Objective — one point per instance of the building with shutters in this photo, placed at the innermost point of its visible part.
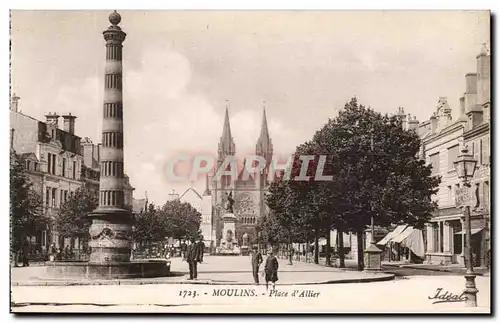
(53, 158)
(58, 163)
(442, 141)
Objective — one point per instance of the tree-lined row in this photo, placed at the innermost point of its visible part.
(174, 219)
(377, 172)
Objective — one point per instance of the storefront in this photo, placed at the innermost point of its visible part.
(404, 243)
(446, 239)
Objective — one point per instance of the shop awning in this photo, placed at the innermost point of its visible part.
(473, 231)
(392, 234)
(403, 235)
(414, 240)
(411, 238)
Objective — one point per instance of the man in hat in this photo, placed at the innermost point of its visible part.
(192, 258)
(201, 249)
(256, 261)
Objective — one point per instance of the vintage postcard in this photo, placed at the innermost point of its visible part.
(250, 161)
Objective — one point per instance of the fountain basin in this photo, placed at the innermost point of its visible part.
(111, 270)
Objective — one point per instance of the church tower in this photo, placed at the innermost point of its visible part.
(219, 187)
(264, 148)
(226, 148)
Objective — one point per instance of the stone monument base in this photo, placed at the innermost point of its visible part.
(228, 247)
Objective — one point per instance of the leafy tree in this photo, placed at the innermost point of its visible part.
(271, 231)
(174, 219)
(72, 220)
(183, 220)
(150, 227)
(26, 210)
(377, 174)
(377, 171)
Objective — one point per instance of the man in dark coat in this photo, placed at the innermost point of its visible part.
(25, 252)
(201, 249)
(256, 261)
(192, 258)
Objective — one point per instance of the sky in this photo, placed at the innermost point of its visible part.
(180, 68)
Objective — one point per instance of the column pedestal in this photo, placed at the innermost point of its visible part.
(111, 235)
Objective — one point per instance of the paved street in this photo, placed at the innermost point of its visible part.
(219, 269)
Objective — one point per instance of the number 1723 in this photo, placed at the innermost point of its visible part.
(188, 293)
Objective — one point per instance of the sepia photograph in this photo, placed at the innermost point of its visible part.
(250, 161)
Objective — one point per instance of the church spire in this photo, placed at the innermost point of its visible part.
(226, 131)
(226, 144)
(264, 145)
(264, 132)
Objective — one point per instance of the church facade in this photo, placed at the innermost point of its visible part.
(248, 190)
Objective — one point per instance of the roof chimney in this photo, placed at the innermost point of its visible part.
(14, 104)
(483, 76)
(433, 123)
(484, 82)
(462, 106)
(69, 123)
(52, 119)
(470, 92)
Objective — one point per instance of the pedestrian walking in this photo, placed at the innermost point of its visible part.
(256, 261)
(201, 249)
(183, 250)
(271, 269)
(25, 250)
(52, 252)
(192, 258)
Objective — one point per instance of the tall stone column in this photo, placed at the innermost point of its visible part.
(111, 227)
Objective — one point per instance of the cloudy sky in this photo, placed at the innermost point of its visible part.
(180, 67)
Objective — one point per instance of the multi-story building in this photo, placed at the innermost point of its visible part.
(477, 139)
(442, 141)
(58, 163)
(53, 158)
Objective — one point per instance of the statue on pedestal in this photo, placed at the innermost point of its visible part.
(229, 203)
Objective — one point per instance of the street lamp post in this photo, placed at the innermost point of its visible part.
(372, 225)
(465, 167)
(373, 255)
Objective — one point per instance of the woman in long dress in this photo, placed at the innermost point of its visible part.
(271, 269)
